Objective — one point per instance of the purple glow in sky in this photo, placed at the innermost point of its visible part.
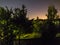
(35, 7)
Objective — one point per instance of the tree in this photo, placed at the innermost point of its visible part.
(5, 22)
(23, 25)
(52, 12)
(49, 29)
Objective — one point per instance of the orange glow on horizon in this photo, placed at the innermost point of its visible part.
(40, 17)
(34, 16)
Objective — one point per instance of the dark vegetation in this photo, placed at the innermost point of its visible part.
(13, 23)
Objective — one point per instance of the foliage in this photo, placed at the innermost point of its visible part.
(15, 25)
(51, 12)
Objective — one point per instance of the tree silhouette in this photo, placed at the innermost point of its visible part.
(23, 25)
(5, 22)
(52, 12)
(49, 31)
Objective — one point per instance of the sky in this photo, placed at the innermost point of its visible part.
(34, 7)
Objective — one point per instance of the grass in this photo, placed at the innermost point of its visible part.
(29, 36)
(58, 35)
(32, 35)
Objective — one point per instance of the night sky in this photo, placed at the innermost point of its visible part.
(35, 7)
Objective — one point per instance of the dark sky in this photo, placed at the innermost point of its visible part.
(35, 7)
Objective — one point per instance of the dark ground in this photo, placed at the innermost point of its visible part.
(40, 41)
